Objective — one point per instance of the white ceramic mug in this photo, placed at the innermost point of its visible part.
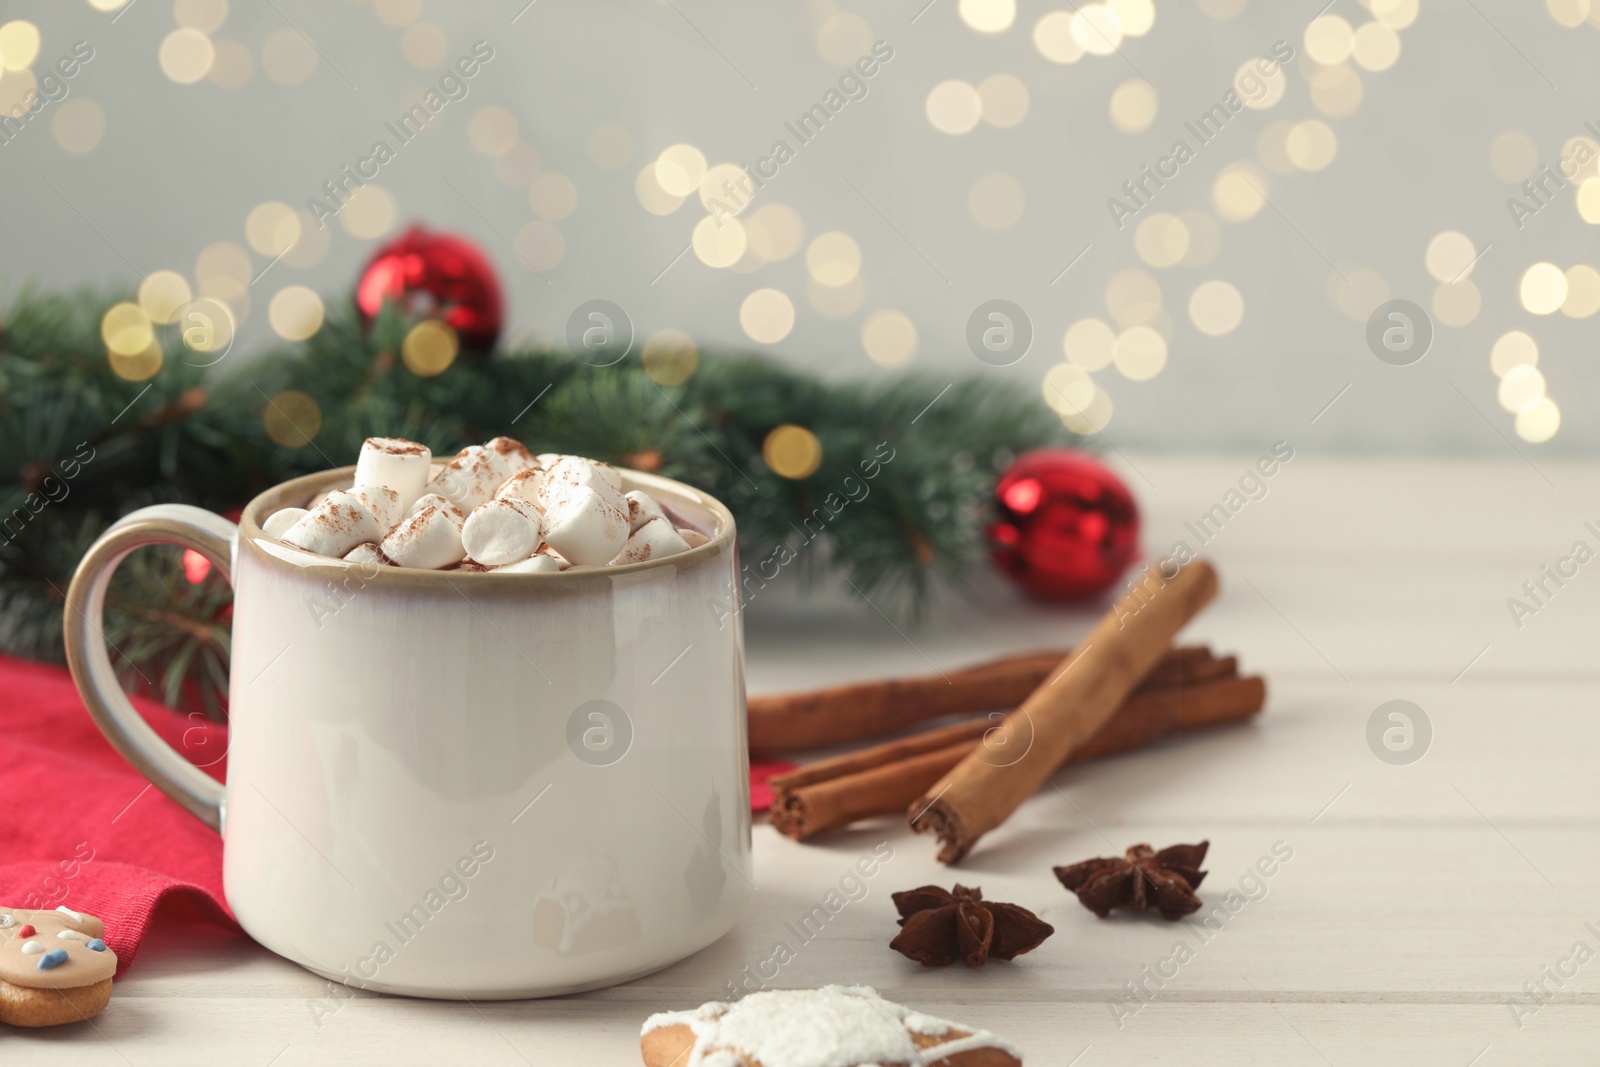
(451, 784)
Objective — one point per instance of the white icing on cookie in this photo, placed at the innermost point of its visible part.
(31, 948)
(75, 916)
(835, 1026)
(70, 935)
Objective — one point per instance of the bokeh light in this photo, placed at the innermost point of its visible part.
(844, 38)
(1376, 47)
(718, 244)
(792, 452)
(186, 56)
(492, 130)
(1458, 303)
(78, 125)
(1328, 40)
(1067, 388)
(670, 357)
(1133, 105)
(1052, 36)
(889, 338)
(552, 195)
(1312, 144)
(1140, 353)
(1521, 387)
(1004, 99)
(287, 57)
(540, 245)
(1358, 292)
(679, 169)
(776, 231)
(988, 16)
(1135, 17)
(292, 419)
(996, 201)
(425, 46)
(207, 16)
(1543, 288)
(271, 228)
(19, 44)
(295, 313)
(1513, 349)
(652, 196)
(162, 293)
(429, 348)
(1336, 91)
(1133, 297)
(126, 329)
(233, 65)
(766, 316)
(1513, 156)
(1239, 192)
(1583, 292)
(369, 212)
(1162, 240)
(1216, 308)
(1096, 30)
(833, 258)
(1540, 422)
(1450, 256)
(953, 106)
(1090, 344)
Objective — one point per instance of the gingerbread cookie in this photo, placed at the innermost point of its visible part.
(835, 1026)
(54, 967)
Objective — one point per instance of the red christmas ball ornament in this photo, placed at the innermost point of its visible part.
(1065, 527)
(439, 276)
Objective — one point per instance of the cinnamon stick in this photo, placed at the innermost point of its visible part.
(832, 793)
(978, 794)
(848, 713)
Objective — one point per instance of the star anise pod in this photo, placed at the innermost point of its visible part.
(939, 927)
(1164, 880)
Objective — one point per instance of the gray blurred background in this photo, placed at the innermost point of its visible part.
(975, 163)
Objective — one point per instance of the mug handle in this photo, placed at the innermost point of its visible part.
(164, 524)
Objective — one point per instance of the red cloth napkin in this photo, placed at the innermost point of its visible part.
(81, 828)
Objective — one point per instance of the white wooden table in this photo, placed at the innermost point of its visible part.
(1419, 900)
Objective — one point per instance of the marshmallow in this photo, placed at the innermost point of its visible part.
(367, 553)
(642, 507)
(473, 567)
(572, 472)
(654, 540)
(470, 477)
(501, 531)
(609, 473)
(335, 526)
(279, 521)
(383, 502)
(396, 463)
(543, 563)
(513, 452)
(584, 526)
(523, 485)
(429, 539)
(694, 538)
(436, 501)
